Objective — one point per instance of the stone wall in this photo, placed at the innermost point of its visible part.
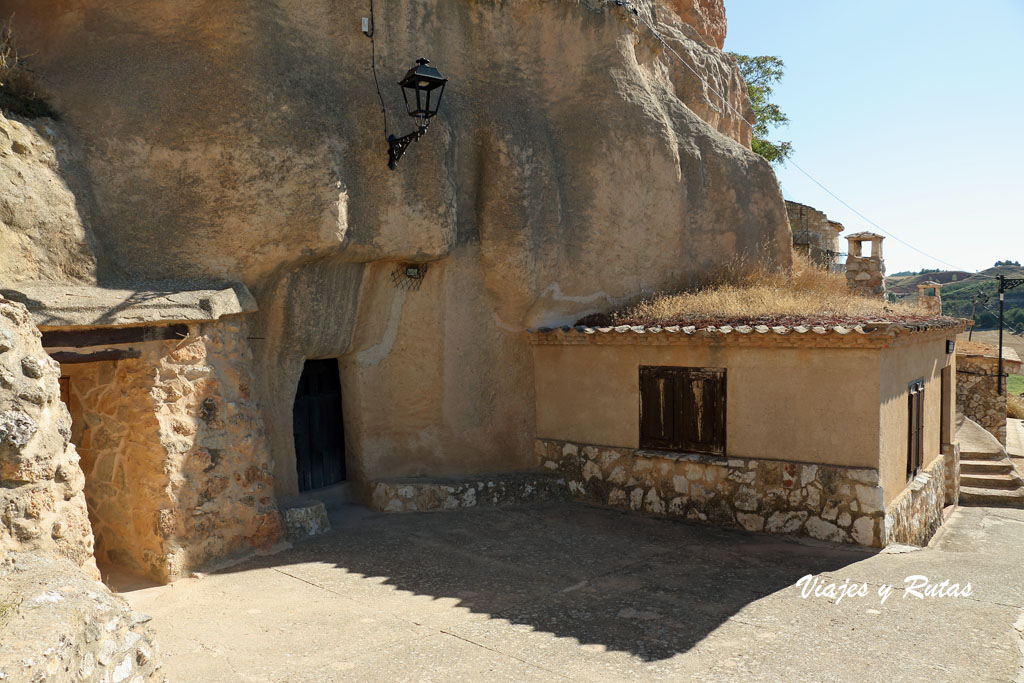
(58, 625)
(422, 494)
(814, 233)
(827, 502)
(42, 507)
(176, 463)
(976, 394)
(917, 513)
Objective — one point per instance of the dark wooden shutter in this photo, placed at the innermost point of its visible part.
(915, 427)
(702, 411)
(682, 409)
(658, 413)
(920, 426)
(911, 432)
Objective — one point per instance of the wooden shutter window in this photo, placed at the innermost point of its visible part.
(658, 393)
(682, 409)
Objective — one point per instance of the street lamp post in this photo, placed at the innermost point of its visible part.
(1005, 283)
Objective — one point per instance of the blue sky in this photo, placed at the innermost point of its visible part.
(911, 111)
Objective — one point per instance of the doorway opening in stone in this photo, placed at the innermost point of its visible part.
(318, 427)
(115, 429)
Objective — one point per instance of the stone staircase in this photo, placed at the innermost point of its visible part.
(990, 479)
(987, 475)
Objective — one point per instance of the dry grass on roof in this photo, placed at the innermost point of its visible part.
(755, 294)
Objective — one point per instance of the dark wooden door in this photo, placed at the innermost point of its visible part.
(318, 427)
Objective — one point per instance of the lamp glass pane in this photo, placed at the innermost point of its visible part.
(437, 101)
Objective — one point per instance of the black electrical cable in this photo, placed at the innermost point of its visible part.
(373, 67)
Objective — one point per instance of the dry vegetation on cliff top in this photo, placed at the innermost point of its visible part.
(756, 294)
(19, 88)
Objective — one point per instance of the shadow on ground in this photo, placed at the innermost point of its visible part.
(650, 587)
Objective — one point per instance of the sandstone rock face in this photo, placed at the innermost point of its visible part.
(42, 506)
(59, 625)
(575, 165)
(42, 233)
(707, 17)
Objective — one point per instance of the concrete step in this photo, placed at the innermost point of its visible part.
(992, 497)
(982, 455)
(985, 467)
(990, 481)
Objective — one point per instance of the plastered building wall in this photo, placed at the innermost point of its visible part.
(811, 405)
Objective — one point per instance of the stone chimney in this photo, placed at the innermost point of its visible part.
(865, 274)
(929, 300)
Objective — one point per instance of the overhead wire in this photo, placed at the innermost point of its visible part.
(373, 67)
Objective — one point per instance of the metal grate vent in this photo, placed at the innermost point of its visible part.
(409, 276)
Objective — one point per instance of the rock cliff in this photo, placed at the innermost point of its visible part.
(42, 232)
(42, 504)
(575, 165)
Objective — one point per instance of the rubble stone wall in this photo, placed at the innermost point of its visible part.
(976, 396)
(413, 494)
(827, 502)
(916, 513)
(813, 232)
(42, 505)
(176, 464)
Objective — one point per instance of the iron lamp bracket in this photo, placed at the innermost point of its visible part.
(397, 146)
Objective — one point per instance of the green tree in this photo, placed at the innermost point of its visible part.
(760, 74)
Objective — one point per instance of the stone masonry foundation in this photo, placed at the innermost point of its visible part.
(827, 502)
(419, 495)
(916, 513)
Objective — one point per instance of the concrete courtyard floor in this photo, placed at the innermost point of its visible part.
(569, 592)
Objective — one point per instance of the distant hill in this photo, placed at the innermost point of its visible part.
(959, 289)
(908, 283)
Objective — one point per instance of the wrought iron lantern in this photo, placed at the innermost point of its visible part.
(422, 89)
